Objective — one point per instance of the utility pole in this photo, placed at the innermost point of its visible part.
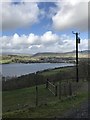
(77, 42)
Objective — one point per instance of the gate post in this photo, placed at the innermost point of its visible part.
(47, 83)
(56, 90)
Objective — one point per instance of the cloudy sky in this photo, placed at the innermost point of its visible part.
(31, 26)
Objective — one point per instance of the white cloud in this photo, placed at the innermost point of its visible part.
(71, 14)
(48, 42)
(33, 39)
(49, 38)
(19, 15)
(5, 0)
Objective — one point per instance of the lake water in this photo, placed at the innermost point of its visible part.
(18, 69)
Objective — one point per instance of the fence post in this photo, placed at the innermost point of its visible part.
(65, 90)
(56, 90)
(36, 96)
(47, 83)
(59, 89)
(70, 89)
(36, 92)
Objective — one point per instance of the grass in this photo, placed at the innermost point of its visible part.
(5, 61)
(21, 103)
(55, 71)
(21, 97)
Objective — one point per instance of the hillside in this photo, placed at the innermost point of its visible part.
(66, 54)
(42, 57)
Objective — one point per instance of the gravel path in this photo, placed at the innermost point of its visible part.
(80, 112)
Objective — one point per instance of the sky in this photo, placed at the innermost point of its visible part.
(32, 26)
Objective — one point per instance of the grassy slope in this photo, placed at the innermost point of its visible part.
(55, 71)
(11, 99)
(62, 55)
(26, 96)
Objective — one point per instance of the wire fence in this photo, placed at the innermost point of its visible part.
(40, 95)
(57, 91)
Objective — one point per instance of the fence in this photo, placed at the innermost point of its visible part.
(51, 87)
(40, 95)
(63, 88)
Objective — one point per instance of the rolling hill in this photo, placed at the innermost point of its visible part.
(84, 53)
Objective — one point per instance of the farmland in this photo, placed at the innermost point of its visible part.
(21, 103)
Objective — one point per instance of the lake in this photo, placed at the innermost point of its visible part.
(18, 69)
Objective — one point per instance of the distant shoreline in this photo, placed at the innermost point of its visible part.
(33, 62)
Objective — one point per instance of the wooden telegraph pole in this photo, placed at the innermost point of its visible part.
(77, 42)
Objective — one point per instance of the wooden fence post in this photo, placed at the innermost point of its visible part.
(65, 90)
(36, 95)
(59, 89)
(56, 90)
(47, 83)
(70, 89)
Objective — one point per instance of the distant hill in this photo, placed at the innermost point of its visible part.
(41, 57)
(19, 54)
(66, 54)
(47, 54)
(51, 54)
(85, 51)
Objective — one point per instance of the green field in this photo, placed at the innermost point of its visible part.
(56, 71)
(21, 102)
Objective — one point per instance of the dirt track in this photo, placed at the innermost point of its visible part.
(80, 112)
